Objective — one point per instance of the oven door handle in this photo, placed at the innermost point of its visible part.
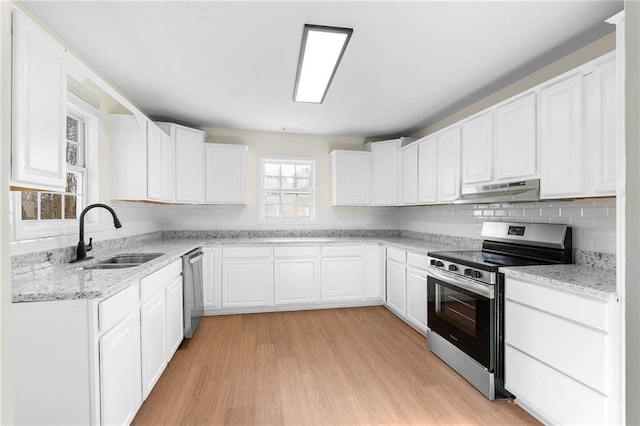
(480, 289)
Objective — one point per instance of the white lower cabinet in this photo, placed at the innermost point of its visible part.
(417, 298)
(175, 317)
(247, 276)
(296, 275)
(212, 277)
(120, 372)
(342, 273)
(561, 356)
(396, 285)
(375, 271)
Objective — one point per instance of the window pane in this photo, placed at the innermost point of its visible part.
(303, 171)
(272, 169)
(271, 182)
(288, 210)
(304, 200)
(72, 183)
(72, 153)
(288, 170)
(288, 199)
(71, 206)
(29, 205)
(50, 206)
(288, 183)
(72, 129)
(303, 184)
(304, 211)
(272, 210)
(272, 199)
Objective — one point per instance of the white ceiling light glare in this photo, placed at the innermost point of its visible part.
(320, 54)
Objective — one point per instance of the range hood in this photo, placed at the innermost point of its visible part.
(508, 192)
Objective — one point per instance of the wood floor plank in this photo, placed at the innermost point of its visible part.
(320, 367)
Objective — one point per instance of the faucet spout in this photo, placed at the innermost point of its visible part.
(82, 249)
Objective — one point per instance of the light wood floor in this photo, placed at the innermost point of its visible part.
(338, 366)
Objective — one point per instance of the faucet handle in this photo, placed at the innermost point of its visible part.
(89, 246)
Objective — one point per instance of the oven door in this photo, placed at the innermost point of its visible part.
(462, 312)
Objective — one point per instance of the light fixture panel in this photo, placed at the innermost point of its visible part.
(320, 54)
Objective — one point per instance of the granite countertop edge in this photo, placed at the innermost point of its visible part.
(70, 282)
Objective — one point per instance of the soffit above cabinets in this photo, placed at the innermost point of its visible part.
(233, 64)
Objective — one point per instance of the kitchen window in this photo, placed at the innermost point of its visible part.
(44, 214)
(287, 189)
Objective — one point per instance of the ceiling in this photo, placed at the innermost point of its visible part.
(233, 64)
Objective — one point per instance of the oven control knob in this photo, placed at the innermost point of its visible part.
(468, 272)
(453, 268)
(439, 264)
(477, 274)
(432, 262)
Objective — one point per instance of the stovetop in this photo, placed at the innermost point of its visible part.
(486, 261)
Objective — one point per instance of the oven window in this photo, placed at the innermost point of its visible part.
(457, 309)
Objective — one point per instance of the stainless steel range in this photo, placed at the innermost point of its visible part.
(466, 297)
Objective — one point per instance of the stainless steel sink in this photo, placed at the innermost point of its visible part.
(124, 261)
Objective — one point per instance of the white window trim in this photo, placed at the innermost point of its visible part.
(262, 159)
(28, 230)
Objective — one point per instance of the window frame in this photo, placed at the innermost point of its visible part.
(286, 159)
(34, 229)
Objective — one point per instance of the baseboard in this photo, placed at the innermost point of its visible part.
(210, 311)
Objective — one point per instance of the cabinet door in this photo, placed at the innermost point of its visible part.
(515, 148)
(562, 148)
(409, 172)
(477, 149)
(226, 170)
(417, 298)
(375, 281)
(168, 167)
(154, 162)
(175, 327)
(342, 279)
(428, 170)
(351, 178)
(212, 277)
(385, 173)
(601, 129)
(449, 165)
(39, 84)
(153, 329)
(396, 288)
(189, 165)
(296, 281)
(120, 377)
(247, 282)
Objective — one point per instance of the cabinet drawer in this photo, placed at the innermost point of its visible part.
(308, 251)
(583, 309)
(244, 252)
(417, 260)
(117, 307)
(156, 281)
(396, 254)
(559, 398)
(342, 251)
(578, 351)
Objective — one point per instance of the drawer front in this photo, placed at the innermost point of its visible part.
(153, 283)
(245, 252)
(306, 251)
(583, 309)
(342, 251)
(396, 254)
(578, 351)
(560, 399)
(117, 307)
(417, 261)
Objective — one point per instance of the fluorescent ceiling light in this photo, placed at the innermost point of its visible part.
(321, 52)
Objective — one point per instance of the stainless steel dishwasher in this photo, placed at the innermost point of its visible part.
(193, 296)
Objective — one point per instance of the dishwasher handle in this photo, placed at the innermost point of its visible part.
(195, 259)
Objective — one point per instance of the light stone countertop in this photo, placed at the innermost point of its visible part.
(69, 281)
(578, 278)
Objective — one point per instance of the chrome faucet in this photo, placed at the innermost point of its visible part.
(82, 249)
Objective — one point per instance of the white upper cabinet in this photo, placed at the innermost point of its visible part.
(477, 149)
(39, 84)
(168, 167)
(427, 170)
(190, 176)
(351, 178)
(385, 172)
(515, 150)
(128, 157)
(226, 173)
(562, 145)
(409, 173)
(154, 161)
(448, 164)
